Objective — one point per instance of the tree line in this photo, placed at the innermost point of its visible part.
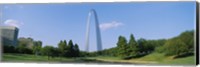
(29, 46)
(181, 45)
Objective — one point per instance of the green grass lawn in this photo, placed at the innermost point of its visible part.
(159, 58)
(154, 58)
(32, 58)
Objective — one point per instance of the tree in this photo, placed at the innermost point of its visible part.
(188, 38)
(110, 51)
(70, 48)
(48, 50)
(9, 49)
(150, 45)
(132, 46)
(55, 52)
(37, 47)
(26, 42)
(158, 45)
(181, 45)
(62, 46)
(122, 47)
(175, 47)
(142, 45)
(27, 45)
(21, 48)
(76, 50)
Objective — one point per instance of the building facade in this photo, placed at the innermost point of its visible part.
(8, 35)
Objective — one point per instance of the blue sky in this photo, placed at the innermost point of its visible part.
(51, 23)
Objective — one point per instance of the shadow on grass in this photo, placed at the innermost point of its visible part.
(41, 59)
(184, 55)
(137, 56)
(85, 60)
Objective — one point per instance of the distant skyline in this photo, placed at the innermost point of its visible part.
(51, 23)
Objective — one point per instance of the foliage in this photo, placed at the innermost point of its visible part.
(177, 46)
(110, 52)
(180, 45)
(122, 47)
(62, 47)
(187, 37)
(26, 42)
(142, 45)
(9, 49)
(49, 51)
(68, 50)
(23, 49)
(29, 46)
(76, 50)
(84, 54)
(132, 46)
(37, 47)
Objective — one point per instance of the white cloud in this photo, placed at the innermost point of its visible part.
(110, 25)
(11, 22)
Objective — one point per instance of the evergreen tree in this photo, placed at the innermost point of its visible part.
(71, 49)
(76, 50)
(142, 46)
(122, 47)
(132, 46)
(62, 47)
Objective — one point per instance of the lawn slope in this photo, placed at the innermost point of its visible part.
(153, 58)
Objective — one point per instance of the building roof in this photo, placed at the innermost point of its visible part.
(8, 27)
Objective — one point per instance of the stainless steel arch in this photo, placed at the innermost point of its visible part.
(98, 33)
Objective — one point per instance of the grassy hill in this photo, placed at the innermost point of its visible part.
(161, 59)
(153, 58)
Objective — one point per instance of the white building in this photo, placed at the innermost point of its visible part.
(8, 35)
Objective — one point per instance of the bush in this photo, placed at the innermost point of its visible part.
(24, 50)
(9, 49)
(160, 49)
(175, 47)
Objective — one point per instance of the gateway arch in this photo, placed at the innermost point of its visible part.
(98, 34)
